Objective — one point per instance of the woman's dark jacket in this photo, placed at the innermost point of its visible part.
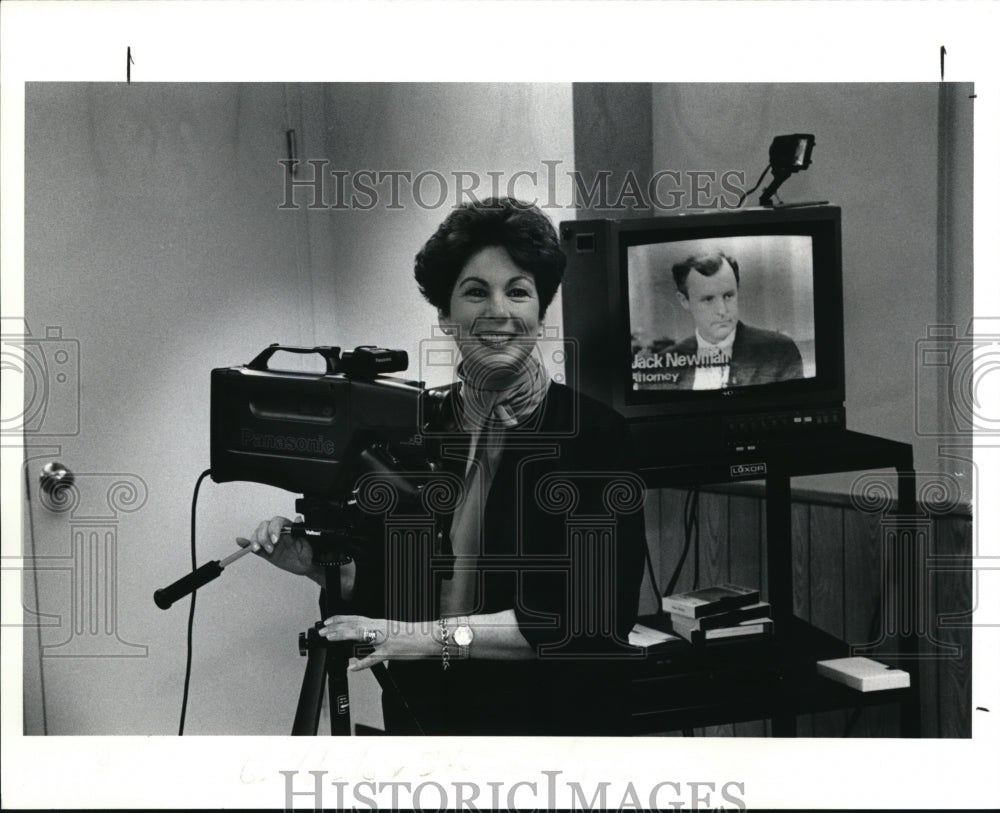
(563, 546)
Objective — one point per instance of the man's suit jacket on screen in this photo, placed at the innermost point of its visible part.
(759, 357)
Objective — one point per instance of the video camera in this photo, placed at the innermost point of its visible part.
(315, 433)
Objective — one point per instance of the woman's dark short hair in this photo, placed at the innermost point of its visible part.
(522, 229)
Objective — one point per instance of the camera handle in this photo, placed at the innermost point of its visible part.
(330, 354)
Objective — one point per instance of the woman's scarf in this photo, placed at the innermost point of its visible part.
(502, 396)
(497, 400)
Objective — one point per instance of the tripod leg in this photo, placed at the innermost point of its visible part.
(340, 703)
(337, 658)
(329, 661)
(311, 695)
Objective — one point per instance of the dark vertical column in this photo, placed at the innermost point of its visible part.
(745, 563)
(826, 594)
(779, 570)
(779, 546)
(863, 608)
(953, 606)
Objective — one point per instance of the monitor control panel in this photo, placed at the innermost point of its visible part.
(751, 432)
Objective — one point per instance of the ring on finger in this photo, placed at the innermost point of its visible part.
(371, 636)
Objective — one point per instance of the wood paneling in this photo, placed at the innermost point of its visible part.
(801, 583)
(745, 537)
(713, 538)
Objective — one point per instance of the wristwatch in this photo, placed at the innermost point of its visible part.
(463, 637)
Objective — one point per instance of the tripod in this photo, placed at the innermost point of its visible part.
(326, 661)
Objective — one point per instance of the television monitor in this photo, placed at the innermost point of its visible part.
(709, 331)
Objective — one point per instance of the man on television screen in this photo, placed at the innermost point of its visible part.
(729, 353)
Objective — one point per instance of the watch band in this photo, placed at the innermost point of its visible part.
(455, 643)
(445, 635)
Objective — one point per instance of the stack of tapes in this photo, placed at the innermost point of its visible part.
(726, 612)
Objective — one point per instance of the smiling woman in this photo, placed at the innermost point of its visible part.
(494, 314)
(519, 617)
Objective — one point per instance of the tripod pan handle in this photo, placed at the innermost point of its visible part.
(166, 596)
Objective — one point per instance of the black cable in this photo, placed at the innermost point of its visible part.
(692, 533)
(675, 576)
(652, 579)
(749, 192)
(696, 526)
(194, 595)
(386, 681)
(689, 500)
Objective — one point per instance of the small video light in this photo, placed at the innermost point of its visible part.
(788, 154)
(792, 152)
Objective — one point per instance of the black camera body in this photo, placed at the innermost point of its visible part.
(307, 432)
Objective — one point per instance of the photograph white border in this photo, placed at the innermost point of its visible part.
(447, 41)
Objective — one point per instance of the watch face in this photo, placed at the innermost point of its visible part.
(463, 635)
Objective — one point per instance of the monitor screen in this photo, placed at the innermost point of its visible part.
(720, 313)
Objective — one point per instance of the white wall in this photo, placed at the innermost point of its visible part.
(154, 238)
(425, 128)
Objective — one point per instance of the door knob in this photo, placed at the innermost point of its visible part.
(54, 477)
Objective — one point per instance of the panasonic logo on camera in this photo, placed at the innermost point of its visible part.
(747, 469)
(287, 443)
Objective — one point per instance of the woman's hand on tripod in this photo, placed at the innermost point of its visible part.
(282, 549)
(390, 640)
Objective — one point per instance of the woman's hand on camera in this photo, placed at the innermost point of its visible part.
(282, 549)
(390, 640)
